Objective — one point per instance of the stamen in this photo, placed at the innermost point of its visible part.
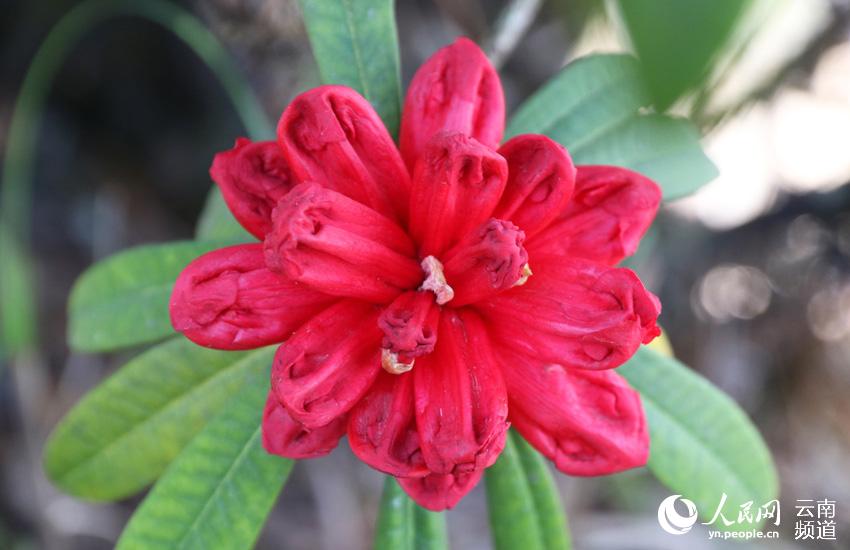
(391, 363)
(435, 280)
(524, 275)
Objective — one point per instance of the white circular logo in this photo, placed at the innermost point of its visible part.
(671, 521)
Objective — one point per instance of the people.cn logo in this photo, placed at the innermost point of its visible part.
(671, 520)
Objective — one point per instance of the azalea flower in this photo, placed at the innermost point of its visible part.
(427, 296)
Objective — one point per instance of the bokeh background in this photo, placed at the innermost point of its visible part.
(753, 270)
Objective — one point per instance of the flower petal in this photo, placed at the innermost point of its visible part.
(329, 363)
(438, 492)
(587, 422)
(485, 262)
(229, 299)
(541, 177)
(252, 177)
(610, 211)
(338, 246)
(382, 427)
(461, 405)
(332, 136)
(455, 90)
(456, 185)
(286, 437)
(575, 313)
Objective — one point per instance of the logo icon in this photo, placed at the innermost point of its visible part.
(671, 521)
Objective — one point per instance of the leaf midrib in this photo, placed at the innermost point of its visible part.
(222, 481)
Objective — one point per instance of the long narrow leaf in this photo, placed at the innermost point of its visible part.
(356, 44)
(702, 443)
(220, 489)
(403, 525)
(593, 107)
(123, 300)
(123, 434)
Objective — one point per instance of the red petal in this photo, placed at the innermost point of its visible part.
(340, 247)
(456, 185)
(332, 136)
(610, 211)
(382, 427)
(587, 422)
(329, 363)
(286, 437)
(461, 405)
(438, 492)
(576, 313)
(487, 261)
(456, 90)
(252, 178)
(541, 177)
(229, 299)
(409, 324)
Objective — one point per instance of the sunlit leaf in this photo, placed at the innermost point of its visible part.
(220, 489)
(123, 434)
(703, 444)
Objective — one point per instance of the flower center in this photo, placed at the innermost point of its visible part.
(435, 280)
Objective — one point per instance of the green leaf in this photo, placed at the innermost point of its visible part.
(678, 41)
(17, 314)
(513, 512)
(355, 44)
(123, 301)
(547, 502)
(404, 525)
(218, 224)
(702, 443)
(220, 489)
(123, 434)
(593, 107)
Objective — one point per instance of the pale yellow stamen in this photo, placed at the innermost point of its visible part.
(524, 275)
(391, 364)
(435, 280)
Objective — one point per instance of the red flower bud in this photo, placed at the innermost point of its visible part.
(489, 260)
(338, 246)
(439, 492)
(456, 90)
(252, 177)
(286, 437)
(456, 185)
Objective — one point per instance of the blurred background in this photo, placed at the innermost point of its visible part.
(753, 270)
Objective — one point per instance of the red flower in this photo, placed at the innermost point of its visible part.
(429, 296)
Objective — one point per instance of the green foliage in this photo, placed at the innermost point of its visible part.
(703, 444)
(218, 224)
(355, 44)
(678, 41)
(220, 489)
(403, 525)
(522, 500)
(123, 300)
(17, 315)
(123, 434)
(593, 107)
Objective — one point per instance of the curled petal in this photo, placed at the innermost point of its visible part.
(409, 325)
(487, 261)
(286, 437)
(456, 90)
(576, 313)
(229, 299)
(382, 428)
(252, 177)
(332, 136)
(461, 405)
(438, 492)
(338, 246)
(328, 364)
(587, 422)
(610, 211)
(541, 177)
(456, 184)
